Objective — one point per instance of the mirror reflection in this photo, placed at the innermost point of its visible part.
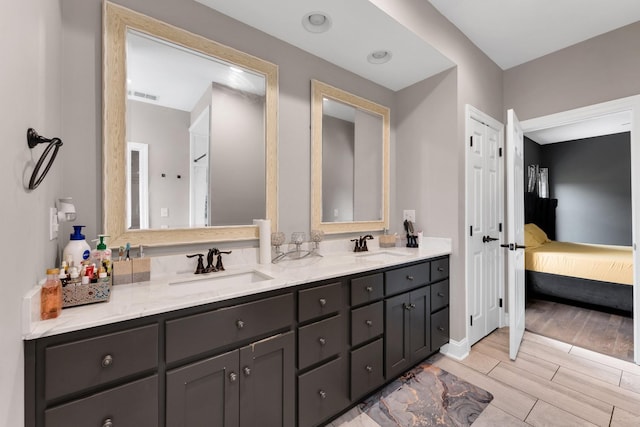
(350, 161)
(201, 123)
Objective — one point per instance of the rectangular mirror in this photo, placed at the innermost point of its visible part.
(350, 162)
(189, 135)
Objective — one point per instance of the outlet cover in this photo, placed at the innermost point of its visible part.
(409, 215)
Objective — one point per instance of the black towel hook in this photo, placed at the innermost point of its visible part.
(34, 139)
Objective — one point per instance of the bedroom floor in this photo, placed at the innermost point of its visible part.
(605, 333)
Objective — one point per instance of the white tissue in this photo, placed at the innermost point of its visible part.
(264, 233)
(420, 237)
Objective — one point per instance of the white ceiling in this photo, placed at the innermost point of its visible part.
(512, 32)
(603, 125)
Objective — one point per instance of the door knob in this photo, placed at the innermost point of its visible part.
(486, 239)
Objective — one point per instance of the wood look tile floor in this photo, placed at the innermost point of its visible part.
(551, 383)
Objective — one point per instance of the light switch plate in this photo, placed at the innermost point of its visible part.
(164, 212)
(409, 215)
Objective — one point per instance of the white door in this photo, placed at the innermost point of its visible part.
(515, 232)
(484, 208)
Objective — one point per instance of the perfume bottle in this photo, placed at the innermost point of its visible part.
(51, 295)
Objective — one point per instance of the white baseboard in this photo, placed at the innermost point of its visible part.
(457, 350)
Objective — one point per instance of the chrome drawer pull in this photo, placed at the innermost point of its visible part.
(368, 368)
(368, 323)
(247, 371)
(233, 377)
(107, 361)
(440, 328)
(107, 423)
(322, 302)
(407, 306)
(440, 294)
(322, 341)
(440, 269)
(409, 277)
(239, 324)
(369, 289)
(323, 394)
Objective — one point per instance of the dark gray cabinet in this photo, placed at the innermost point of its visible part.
(251, 386)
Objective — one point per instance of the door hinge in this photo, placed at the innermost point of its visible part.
(471, 231)
(500, 302)
(500, 152)
(500, 227)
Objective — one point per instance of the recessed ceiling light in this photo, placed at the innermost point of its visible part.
(379, 57)
(316, 22)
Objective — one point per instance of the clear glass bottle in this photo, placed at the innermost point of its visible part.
(51, 295)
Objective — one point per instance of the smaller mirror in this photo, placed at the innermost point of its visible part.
(350, 162)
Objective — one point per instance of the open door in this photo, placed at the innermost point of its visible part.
(515, 232)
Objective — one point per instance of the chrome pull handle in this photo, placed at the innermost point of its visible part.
(233, 377)
(239, 324)
(407, 306)
(107, 361)
(107, 422)
(247, 371)
(322, 341)
(322, 302)
(441, 269)
(440, 294)
(369, 289)
(368, 323)
(368, 368)
(322, 394)
(409, 277)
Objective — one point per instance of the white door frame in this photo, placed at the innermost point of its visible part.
(472, 113)
(631, 104)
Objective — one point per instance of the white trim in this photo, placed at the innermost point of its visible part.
(631, 104)
(457, 350)
(143, 169)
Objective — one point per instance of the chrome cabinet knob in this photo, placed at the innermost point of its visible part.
(233, 377)
(247, 371)
(368, 368)
(407, 306)
(107, 422)
(409, 277)
(369, 289)
(239, 324)
(412, 306)
(322, 302)
(368, 323)
(441, 269)
(322, 394)
(322, 341)
(440, 328)
(440, 294)
(107, 361)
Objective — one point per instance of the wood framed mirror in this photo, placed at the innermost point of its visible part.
(349, 161)
(211, 173)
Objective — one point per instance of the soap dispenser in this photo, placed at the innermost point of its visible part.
(77, 249)
(101, 255)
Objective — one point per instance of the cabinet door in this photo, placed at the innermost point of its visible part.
(204, 393)
(420, 324)
(267, 387)
(397, 337)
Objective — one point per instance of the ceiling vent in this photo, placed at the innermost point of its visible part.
(143, 95)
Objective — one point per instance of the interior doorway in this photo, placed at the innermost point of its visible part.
(631, 106)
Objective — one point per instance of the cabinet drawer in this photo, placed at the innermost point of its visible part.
(367, 322)
(90, 362)
(319, 341)
(322, 392)
(132, 405)
(367, 288)
(367, 371)
(318, 301)
(439, 269)
(439, 295)
(439, 329)
(405, 278)
(204, 332)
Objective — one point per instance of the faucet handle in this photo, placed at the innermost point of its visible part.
(200, 268)
(219, 265)
(356, 247)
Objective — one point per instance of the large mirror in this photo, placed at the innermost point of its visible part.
(189, 135)
(350, 161)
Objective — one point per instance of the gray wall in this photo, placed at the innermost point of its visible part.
(166, 131)
(338, 148)
(31, 97)
(591, 178)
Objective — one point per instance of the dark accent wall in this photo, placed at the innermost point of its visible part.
(591, 178)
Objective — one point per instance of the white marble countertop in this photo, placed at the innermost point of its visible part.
(168, 291)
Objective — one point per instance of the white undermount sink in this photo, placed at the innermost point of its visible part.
(223, 279)
(381, 255)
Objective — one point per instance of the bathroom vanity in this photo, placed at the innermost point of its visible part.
(287, 352)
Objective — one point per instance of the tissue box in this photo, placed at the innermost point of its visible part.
(387, 241)
(141, 269)
(121, 272)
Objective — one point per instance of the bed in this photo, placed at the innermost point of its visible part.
(597, 275)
